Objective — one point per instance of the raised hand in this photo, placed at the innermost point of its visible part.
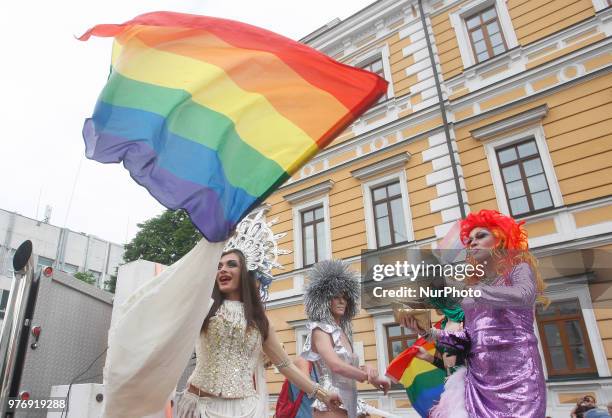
(424, 355)
(410, 322)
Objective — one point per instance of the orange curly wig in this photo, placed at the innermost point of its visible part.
(510, 236)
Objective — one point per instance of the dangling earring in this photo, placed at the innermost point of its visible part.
(495, 254)
(469, 258)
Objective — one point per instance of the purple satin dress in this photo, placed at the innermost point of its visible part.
(504, 370)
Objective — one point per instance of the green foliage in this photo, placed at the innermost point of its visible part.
(163, 239)
(86, 277)
(111, 283)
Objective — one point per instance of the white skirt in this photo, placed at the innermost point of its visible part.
(190, 405)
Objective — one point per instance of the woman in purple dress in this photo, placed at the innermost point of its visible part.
(504, 376)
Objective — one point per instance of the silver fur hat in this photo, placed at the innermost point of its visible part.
(328, 279)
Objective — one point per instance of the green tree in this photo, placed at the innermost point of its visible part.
(163, 239)
(111, 284)
(86, 277)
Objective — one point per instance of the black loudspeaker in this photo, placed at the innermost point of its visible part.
(22, 255)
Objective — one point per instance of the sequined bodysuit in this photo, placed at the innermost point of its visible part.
(504, 370)
(227, 354)
(344, 386)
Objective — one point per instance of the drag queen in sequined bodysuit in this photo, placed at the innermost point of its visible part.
(330, 300)
(228, 381)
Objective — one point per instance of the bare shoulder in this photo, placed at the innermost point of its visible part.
(321, 337)
(319, 333)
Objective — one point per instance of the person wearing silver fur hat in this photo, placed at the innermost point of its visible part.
(331, 302)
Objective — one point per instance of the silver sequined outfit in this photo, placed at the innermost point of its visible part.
(344, 386)
(227, 354)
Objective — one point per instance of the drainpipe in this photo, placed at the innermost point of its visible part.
(105, 266)
(449, 144)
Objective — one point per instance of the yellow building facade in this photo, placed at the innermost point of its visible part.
(524, 126)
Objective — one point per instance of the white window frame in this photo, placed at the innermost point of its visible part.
(301, 333)
(298, 258)
(491, 148)
(359, 350)
(457, 20)
(381, 52)
(380, 333)
(577, 288)
(97, 275)
(68, 266)
(369, 208)
(600, 5)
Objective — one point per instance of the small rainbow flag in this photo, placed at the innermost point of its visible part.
(211, 115)
(424, 382)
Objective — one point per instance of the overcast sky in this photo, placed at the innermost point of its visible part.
(50, 83)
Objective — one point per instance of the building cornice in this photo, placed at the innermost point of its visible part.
(355, 24)
(309, 192)
(359, 142)
(389, 148)
(351, 260)
(298, 323)
(397, 161)
(524, 118)
(475, 97)
(285, 302)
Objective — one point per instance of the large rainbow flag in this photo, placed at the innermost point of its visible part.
(424, 382)
(211, 115)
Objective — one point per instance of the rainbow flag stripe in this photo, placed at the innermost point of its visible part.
(424, 382)
(211, 115)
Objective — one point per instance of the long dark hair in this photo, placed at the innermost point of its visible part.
(254, 311)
